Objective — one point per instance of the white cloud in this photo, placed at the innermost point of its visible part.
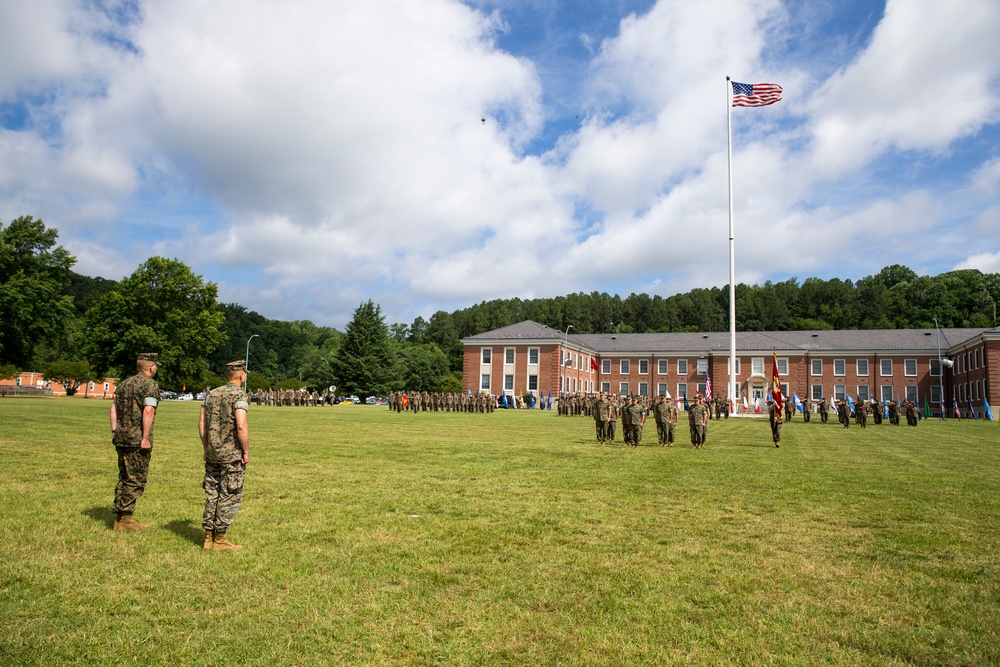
(925, 80)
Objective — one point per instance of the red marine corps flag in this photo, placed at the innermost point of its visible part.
(779, 402)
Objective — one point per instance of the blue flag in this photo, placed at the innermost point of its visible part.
(503, 399)
(971, 410)
(797, 400)
(548, 405)
(986, 409)
(687, 407)
(851, 404)
(531, 402)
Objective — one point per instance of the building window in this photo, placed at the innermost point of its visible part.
(885, 368)
(935, 393)
(839, 367)
(817, 392)
(785, 392)
(816, 366)
(682, 367)
(839, 392)
(644, 389)
(702, 367)
(484, 382)
(508, 382)
(487, 354)
(757, 365)
(661, 389)
(862, 365)
(662, 366)
(935, 368)
(887, 394)
(532, 383)
(533, 356)
(682, 389)
(644, 367)
(910, 367)
(864, 392)
(623, 366)
(623, 388)
(782, 365)
(729, 366)
(606, 387)
(606, 367)
(508, 356)
(702, 387)
(911, 393)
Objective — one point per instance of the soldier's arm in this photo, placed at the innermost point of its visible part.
(148, 413)
(203, 429)
(114, 417)
(243, 434)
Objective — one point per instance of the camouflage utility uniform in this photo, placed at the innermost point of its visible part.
(224, 467)
(131, 397)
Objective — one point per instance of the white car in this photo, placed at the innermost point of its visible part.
(185, 397)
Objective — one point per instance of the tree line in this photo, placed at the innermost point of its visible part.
(76, 328)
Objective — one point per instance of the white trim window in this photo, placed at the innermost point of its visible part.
(816, 367)
(864, 392)
(782, 365)
(661, 389)
(682, 367)
(644, 389)
(486, 356)
(839, 367)
(508, 356)
(643, 368)
(911, 392)
(910, 368)
(623, 388)
(606, 387)
(887, 393)
(606, 368)
(662, 366)
(757, 365)
(862, 367)
(682, 390)
(532, 356)
(817, 392)
(729, 368)
(840, 391)
(484, 382)
(624, 366)
(702, 367)
(508, 383)
(885, 368)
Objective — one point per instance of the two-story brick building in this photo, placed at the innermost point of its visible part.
(871, 364)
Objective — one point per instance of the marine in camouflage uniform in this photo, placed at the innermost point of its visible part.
(774, 417)
(132, 414)
(222, 425)
(698, 422)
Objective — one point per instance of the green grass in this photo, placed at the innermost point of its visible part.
(507, 539)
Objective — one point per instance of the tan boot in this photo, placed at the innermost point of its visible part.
(222, 543)
(209, 540)
(126, 522)
(118, 520)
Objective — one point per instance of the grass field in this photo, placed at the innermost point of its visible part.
(507, 539)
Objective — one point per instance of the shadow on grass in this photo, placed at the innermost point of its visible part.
(101, 514)
(188, 530)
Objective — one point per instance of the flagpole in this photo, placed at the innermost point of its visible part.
(733, 389)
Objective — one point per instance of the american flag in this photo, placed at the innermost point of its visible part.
(755, 94)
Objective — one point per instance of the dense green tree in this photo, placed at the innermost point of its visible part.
(33, 274)
(450, 384)
(422, 367)
(365, 364)
(70, 374)
(163, 307)
(9, 371)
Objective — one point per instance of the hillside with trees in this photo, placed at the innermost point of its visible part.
(52, 318)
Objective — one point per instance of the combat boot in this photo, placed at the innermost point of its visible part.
(222, 543)
(126, 522)
(209, 539)
(118, 520)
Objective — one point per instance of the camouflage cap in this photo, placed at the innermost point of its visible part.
(240, 365)
(148, 356)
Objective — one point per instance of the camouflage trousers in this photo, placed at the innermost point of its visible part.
(223, 494)
(133, 471)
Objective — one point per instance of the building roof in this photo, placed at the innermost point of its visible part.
(817, 342)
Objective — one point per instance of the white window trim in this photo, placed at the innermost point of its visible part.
(857, 368)
(812, 368)
(835, 373)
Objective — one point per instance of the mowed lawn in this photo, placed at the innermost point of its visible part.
(507, 539)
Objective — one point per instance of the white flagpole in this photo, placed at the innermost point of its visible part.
(733, 387)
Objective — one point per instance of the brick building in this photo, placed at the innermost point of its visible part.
(30, 382)
(872, 364)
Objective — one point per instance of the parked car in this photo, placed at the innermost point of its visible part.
(186, 397)
(375, 400)
(354, 399)
(166, 395)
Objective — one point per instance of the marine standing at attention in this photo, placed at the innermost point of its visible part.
(225, 437)
(132, 415)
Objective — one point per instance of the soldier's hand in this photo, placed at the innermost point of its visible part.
(246, 458)
(145, 444)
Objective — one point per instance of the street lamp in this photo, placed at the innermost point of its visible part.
(942, 364)
(246, 362)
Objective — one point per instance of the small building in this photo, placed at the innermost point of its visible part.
(32, 382)
(881, 364)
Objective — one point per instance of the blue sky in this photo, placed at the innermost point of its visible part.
(307, 156)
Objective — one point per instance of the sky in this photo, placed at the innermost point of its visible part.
(309, 155)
